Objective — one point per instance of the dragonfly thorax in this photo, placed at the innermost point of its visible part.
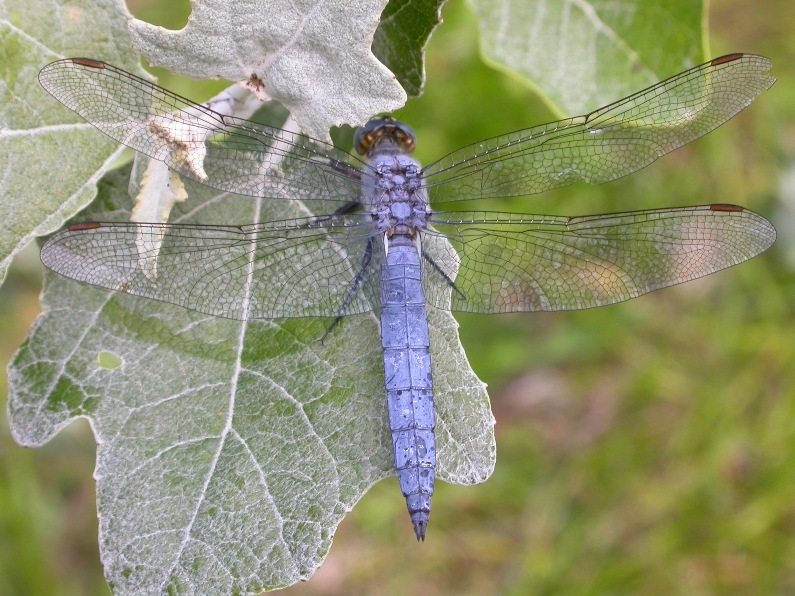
(397, 195)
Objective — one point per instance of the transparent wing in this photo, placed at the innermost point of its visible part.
(223, 152)
(611, 142)
(516, 263)
(291, 268)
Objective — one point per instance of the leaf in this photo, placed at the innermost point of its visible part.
(228, 452)
(586, 54)
(225, 458)
(401, 37)
(314, 58)
(50, 158)
(176, 485)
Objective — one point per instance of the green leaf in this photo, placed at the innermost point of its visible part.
(228, 451)
(50, 158)
(315, 59)
(406, 26)
(583, 55)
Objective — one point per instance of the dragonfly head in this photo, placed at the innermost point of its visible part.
(385, 134)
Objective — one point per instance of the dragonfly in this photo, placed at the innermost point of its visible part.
(382, 247)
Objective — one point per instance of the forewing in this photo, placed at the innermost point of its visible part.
(291, 268)
(222, 152)
(513, 263)
(609, 143)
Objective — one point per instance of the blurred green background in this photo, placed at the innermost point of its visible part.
(643, 448)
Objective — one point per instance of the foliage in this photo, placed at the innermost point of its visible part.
(643, 447)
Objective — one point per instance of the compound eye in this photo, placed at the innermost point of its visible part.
(388, 130)
(363, 142)
(360, 143)
(365, 137)
(405, 137)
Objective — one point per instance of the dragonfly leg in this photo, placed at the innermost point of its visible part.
(348, 207)
(345, 169)
(441, 272)
(357, 283)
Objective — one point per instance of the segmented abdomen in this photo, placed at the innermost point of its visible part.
(407, 373)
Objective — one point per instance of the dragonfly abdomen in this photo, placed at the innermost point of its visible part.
(407, 373)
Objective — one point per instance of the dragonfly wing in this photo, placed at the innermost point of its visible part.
(222, 152)
(519, 263)
(609, 143)
(291, 268)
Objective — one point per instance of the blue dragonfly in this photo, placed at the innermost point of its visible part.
(382, 247)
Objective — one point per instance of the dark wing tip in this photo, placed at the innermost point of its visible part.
(766, 233)
(725, 207)
(727, 58)
(87, 225)
(756, 63)
(46, 72)
(89, 62)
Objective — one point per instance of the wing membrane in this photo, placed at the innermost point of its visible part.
(223, 152)
(512, 263)
(606, 144)
(291, 268)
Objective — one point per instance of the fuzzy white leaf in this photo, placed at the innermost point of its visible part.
(314, 57)
(228, 452)
(51, 159)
